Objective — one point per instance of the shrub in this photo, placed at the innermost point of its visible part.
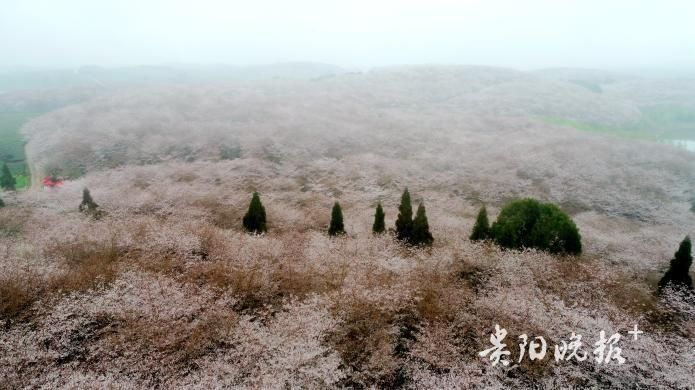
(12, 220)
(88, 205)
(528, 223)
(365, 340)
(421, 229)
(221, 214)
(7, 181)
(87, 202)
(404, 223)
(378, 227)
(88, 263)
(336, 226)
(678, 272)
(254, 220)
(228, 152)
(15, 296)
(481, 229)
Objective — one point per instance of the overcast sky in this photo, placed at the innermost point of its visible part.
(358, 33)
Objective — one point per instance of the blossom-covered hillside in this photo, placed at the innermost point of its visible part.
(165, 290)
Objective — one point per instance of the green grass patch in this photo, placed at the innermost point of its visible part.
(591, 86)
(22, 181)
(598, 128)
(657, 123)
(12, 144)
(669, 122)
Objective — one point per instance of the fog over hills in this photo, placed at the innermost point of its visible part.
(312, 194)
(162, 287)
(430, 114)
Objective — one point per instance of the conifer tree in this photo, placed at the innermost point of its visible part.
(404, 223)
(678, 272)
(88, 204)
(336, 227)
(7, 181)
(378, 227)
(421, 229)
(2, 204)
(481, 229)
(254, 220)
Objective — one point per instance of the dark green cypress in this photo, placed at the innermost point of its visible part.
(379, 226)
(481, 229)
(678, 274)
(404, 223)
(254, 220)
(336, 227)
(421, 229)
(7, 181)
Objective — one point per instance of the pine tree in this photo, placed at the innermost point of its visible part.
(404, 223)
(481, 229)
(7, 181)
(378, 227)
(678, 272)
(421, 229)
(254, 220)
(336, 227)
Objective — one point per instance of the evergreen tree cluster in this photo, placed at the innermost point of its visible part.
(413, 231)
(528, 223)
(678, 274)
(7, 181)
(525, 223)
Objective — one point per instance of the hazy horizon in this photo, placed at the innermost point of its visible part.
(539, 34)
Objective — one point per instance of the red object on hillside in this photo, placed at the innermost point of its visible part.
(52, 182)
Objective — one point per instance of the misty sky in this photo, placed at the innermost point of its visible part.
(522, 34)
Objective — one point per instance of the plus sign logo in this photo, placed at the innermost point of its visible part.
(635, 332)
